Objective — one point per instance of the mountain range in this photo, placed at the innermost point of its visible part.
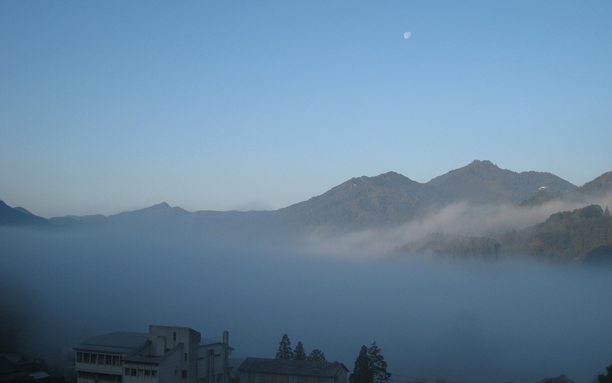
(386, 200)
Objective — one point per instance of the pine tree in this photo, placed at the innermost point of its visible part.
(378, 365)
(299, 353)
(370, 366)
(284, 349)
(362, 373)
(316, 355)
(601, 378)
(606, 213)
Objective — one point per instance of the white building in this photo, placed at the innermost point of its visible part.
(167, 354)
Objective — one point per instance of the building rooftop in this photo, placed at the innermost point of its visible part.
(116, 342)
(291, 367)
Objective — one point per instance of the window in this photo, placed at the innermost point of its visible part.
(116, 360)
(100, 359)
(174, 336)
(93, 358)
(127, 371)
(108, 360)
(86, 357)
(147, 372)
(79, 357)
(277, 378)
(154, 373)
(140, 372)
(133, 372)
(184, 374)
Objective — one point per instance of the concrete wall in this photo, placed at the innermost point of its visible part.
(170, 369)
(166, 338)
(212, 361)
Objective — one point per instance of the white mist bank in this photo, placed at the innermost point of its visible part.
(459, 218)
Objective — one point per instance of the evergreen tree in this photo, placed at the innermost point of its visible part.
(601, 378)
(370, 366)
(606, 213)
(378, 365)
(284, 349)
(317, 356)
(299, 353)
(362, 373)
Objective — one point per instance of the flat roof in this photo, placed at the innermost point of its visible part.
(120, 342)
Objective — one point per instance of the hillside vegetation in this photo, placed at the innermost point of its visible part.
(583, 235)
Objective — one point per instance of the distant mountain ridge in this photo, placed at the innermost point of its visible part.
(388, 199)
(19, 217)
(391, 199)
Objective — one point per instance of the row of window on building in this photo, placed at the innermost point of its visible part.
(99, 377)
(141, 372)
(100, 359)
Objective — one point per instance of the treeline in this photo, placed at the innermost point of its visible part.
(286, 352)
(582, 235)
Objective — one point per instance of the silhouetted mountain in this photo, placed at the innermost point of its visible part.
(388, 199)
(19, 217)
(19, 208)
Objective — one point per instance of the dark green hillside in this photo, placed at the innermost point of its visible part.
(483, 182)
(566, 236)
(389, 198)
(582, 235)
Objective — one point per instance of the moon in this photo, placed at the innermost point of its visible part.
(407, 35)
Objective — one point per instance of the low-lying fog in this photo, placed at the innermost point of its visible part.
(504, 321)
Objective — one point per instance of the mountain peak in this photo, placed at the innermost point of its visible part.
(482, 164)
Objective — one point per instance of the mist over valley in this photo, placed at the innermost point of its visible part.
(515, 317)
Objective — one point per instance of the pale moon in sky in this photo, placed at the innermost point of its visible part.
(407, 35)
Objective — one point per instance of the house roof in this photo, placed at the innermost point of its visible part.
(291, 367)
(209, 342)
(7, 366)
(120, 342)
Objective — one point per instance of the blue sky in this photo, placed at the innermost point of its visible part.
(112, 106)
